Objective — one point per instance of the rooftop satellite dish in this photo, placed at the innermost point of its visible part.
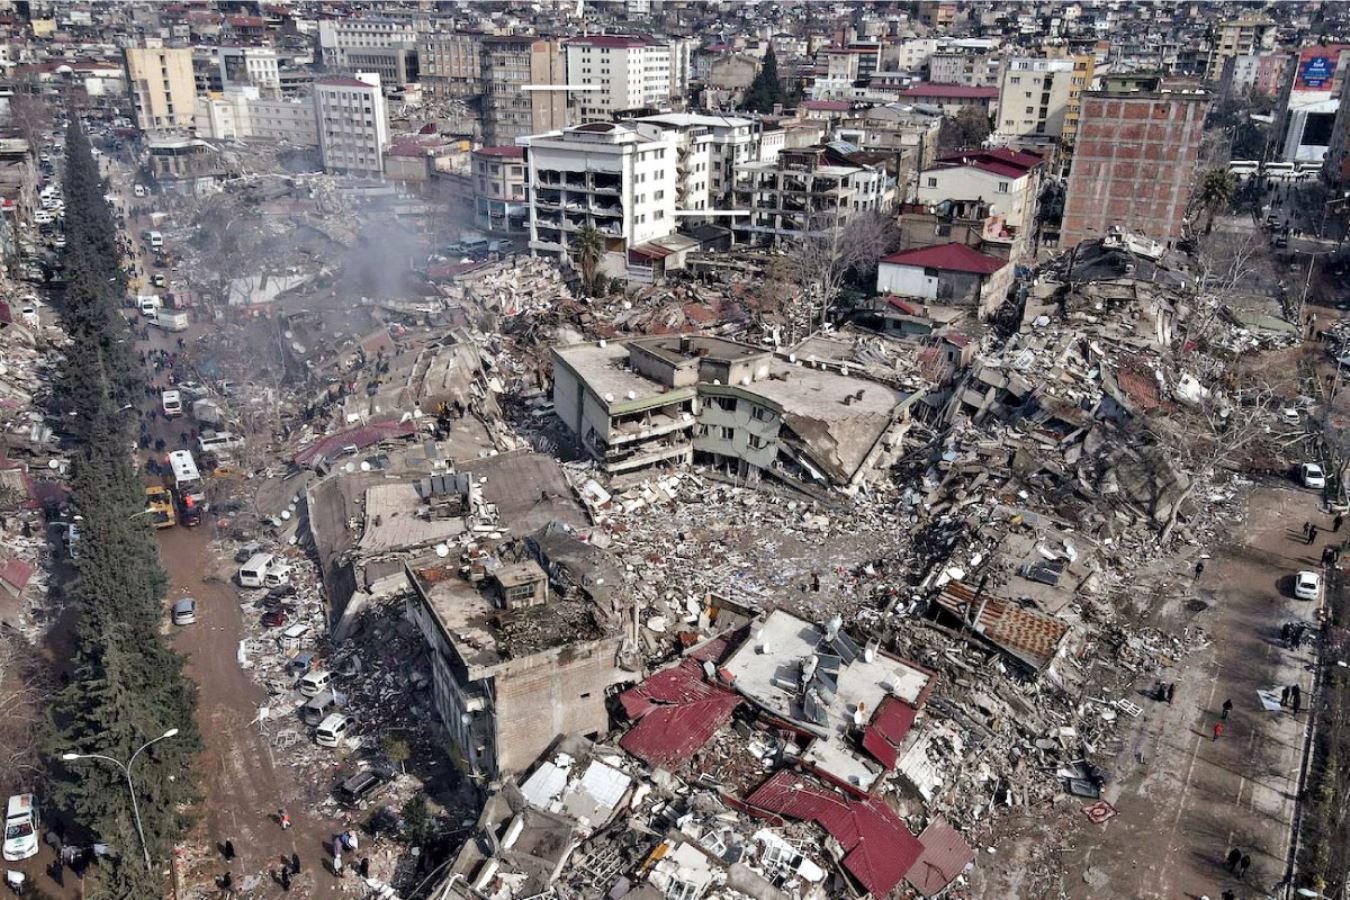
(365, 466)
(53, 463)
(349, 467)
(285, 515)
(442, 550)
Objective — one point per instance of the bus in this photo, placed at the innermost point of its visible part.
(188, 487)
(159, 506)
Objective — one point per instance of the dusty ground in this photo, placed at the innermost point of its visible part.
(1183, 798)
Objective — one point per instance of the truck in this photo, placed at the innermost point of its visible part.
(172, 321)
(159, 505)
(188, 487)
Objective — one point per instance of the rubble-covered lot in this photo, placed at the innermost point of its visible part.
(972, 628)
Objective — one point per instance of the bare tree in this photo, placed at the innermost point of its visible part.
(21, 693)
(822, 261)
(29, 115)
(1218, 428)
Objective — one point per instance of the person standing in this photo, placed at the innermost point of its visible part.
(1218, 731)
(1227, 708)
(1337, 522)
(1296, 698)
(1171, 691)
(1312, 535)
(284, 819)
(295, 863)
(1243, 865)
(1199, 569)
(1234, 857)
(285, 879)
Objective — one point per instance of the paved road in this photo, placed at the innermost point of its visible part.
(1193, 798)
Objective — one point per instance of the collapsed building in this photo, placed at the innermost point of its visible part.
(683, 399)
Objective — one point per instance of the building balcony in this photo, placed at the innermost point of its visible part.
(548, 222)
(642, 455)
(612, 230)
(571, 223)
(609, 212)
(649, 426)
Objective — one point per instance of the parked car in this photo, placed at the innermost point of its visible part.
(1312, 476)
(185, 611)
(1307, 585)
(21, 827)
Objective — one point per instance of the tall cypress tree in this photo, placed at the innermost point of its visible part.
(128, 686)
(766, 90)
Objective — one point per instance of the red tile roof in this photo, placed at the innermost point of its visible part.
(945, 856)
(879, 849)
(952, 91)
(677, 712)
(948, 257)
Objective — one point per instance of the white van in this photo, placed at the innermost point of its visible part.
(319, 708)
(172, 403)
(218, 442)
(315, 683)
(155, 239)
(21, 827)
(277, 574)
(253, 572)
(148, 304)
(293, 636)
(332, 729)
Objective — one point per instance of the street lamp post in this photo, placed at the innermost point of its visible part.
(131, 785)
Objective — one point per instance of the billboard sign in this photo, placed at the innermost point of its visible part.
(1317, 68)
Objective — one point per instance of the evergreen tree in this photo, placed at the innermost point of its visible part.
(128, 686)
(766, 90)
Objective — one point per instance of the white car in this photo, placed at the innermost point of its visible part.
(21, 827)
(1312, 476)
(1307, 585)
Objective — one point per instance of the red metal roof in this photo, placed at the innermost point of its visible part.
(893, 719)
(904, 305)
(677, 712)
(879, 747)
(15, 573)
(949, 257)
(361, 437)
(945, 856)
(953, 91)
(880, 849)
(828, 105)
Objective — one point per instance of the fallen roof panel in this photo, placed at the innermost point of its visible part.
(669, 736)
(946, 854)
(880, 849)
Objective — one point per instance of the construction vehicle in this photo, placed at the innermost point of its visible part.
(159, 504)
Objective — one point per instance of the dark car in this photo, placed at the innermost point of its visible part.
(358, 787)
(275, 618)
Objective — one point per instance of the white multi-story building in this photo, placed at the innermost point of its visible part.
(243, 114)
(807, 191)
(617, 178)
(708, 149)
(339, 37)
(622, 72)
(352, 125)
(250, 66)
(1034, 96)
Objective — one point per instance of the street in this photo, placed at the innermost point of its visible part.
(1184, 799)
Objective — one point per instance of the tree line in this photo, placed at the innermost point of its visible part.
(126, 685)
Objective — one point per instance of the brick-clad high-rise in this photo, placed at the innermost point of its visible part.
(1134, 164)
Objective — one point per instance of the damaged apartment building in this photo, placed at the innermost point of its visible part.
(695, 399)
(522, 648)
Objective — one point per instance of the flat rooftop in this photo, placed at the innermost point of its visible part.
(605, 371)
(392, 521)
(676, 349)
(485, 635)
(770, 667)
(839, 416)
